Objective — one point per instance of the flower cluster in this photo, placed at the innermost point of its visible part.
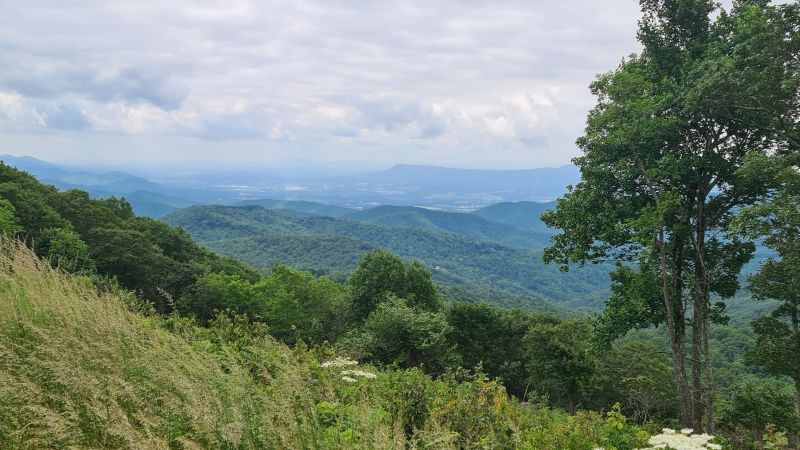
(339, 362)
(349, 376)
(682, 440)
(358, 373)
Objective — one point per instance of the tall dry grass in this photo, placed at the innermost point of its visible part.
(79, 369)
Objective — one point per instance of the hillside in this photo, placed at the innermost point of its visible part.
(468, 225)
(79, 369)
(522, 215)
(454, 259)
(320, 209)
(82, 369)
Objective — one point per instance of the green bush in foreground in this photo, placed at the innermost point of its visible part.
(86, 369)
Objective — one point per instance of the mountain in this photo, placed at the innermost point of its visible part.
(146, 197)
(522, 215)
(261, 237)
(319, 209)
(546, 183)
(469, 225)
(441, 188)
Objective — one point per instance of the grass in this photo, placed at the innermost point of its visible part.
(81, 368)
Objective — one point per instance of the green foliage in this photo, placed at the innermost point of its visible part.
(759, 402)
(9, 225)
(420, 291)
(80, 369)
(378, 275)
(562, 364)
(637, 374)
(396, 333)
(215, 292)
(660, 169)
(67, 251)
(81, 234)
(490, 338)
(267, 237)
(299, 306)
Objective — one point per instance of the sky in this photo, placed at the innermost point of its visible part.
(500, 84)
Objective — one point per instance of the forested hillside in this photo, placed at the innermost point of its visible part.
(87, 369)
(522, 215)
(469, 225)
(254, 235)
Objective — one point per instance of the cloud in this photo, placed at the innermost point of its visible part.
(499, 81)
(130, 85)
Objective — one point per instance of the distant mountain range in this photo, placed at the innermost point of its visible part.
(406, 185)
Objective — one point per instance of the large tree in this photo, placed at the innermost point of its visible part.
(777, 223)
(660, 178)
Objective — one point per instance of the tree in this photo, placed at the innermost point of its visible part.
(777, 223)
(559, 354)
(215, 292)
(299, 306)
(757, 402)
(490, 337)
(9, 225)
(67, 251)
(638, 375)
(379, 273)
(396, 333)
(420, 291)
(660, 180)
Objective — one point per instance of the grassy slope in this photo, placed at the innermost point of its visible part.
(80, 369)
(77, 368)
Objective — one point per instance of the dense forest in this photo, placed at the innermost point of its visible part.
(259, 237)
(406, 328)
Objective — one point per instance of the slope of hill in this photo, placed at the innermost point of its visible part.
(86, 369)
(454, 259)
(468, 225)
(80, 370)
(320, 209)
(522, 215)
(146, 197)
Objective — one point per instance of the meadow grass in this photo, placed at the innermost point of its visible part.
(84, 368)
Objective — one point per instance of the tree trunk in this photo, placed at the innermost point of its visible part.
(697, 370)
(795, 331)
(702, 377)
(797, 409)
(675, 326)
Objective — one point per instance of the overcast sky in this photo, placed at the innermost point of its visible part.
(500, 84)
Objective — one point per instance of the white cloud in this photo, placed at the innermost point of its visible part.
(449, 82)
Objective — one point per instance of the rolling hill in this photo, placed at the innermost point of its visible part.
(262, 237)
(320, 209)
(522, 215)
(469, 225)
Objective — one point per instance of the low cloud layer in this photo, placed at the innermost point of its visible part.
(457, 83)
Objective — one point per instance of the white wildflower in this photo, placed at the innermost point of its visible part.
(683, 440)
(358, 373)
(349, 380)
(339, 362)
